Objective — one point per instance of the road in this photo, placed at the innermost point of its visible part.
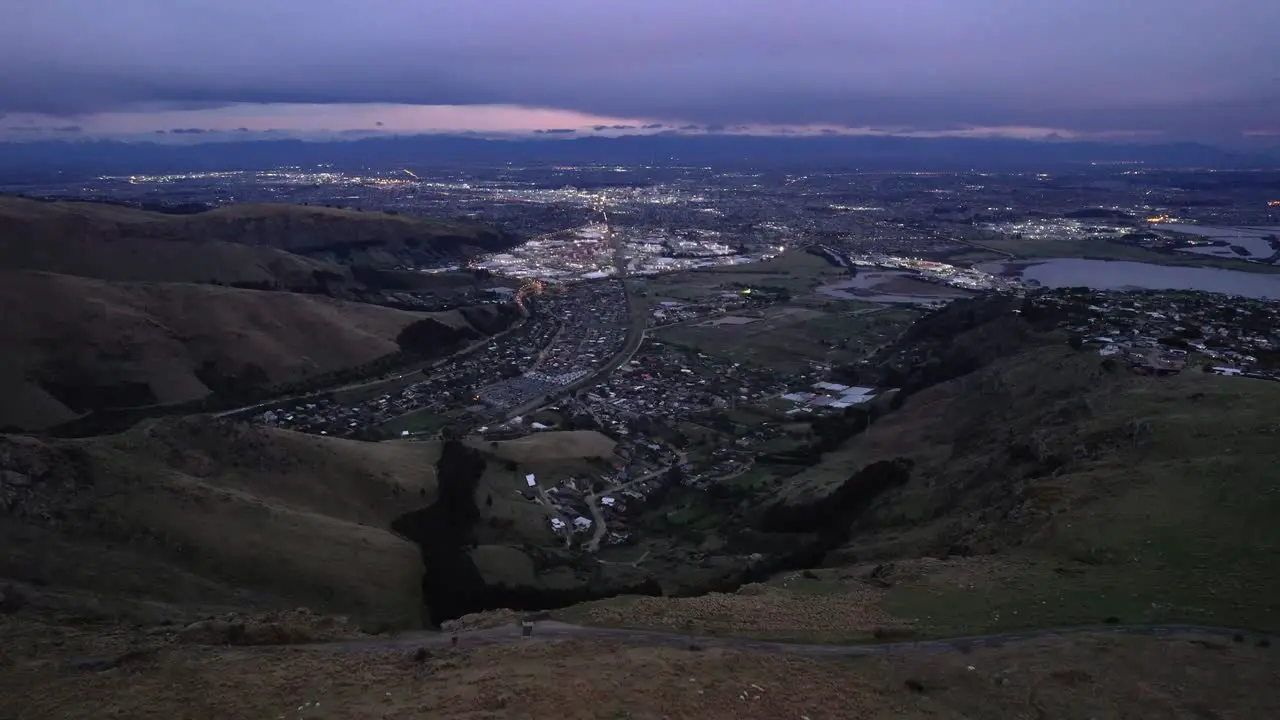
(597, 515)
(988, 248)
(551, 630)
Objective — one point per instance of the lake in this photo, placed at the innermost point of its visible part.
(1125, 275)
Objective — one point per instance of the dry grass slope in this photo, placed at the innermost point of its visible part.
(550, 446)
(94, 333)
(283, 244)
(303, 229)
(180, 515)
(1066, 494)
(123, 244)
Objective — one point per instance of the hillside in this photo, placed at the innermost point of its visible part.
(286, 246)
(77, 344)
(1020, 484)
(1066, 493)
(180, 517)
(346, 236)
(110, 242)
(1042, 486)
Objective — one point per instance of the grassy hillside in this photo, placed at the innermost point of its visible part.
(116, 243)
(282, 245)
(182, 515)
(75, 344)
(1019, 484)
(1044, 489)
(371, 238)
(288, 247)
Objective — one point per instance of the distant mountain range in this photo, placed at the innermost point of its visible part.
(23, 160)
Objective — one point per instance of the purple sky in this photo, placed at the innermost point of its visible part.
(1204, 69)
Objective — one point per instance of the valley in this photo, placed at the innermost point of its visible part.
(667, 467)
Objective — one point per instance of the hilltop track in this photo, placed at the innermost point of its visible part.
(551, 630)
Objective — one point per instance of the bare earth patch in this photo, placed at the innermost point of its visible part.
(277, 628)
(482, 620)
(758, 611)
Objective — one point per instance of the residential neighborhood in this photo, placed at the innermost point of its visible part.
(1164, 332)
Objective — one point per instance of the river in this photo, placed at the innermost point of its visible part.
(890, 287)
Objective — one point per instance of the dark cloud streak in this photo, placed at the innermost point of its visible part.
(1186, 66)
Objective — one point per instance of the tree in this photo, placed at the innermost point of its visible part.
(1076, 342)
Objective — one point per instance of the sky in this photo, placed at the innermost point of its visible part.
(184, 69)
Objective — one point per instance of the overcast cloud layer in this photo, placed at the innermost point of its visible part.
(1187, 67)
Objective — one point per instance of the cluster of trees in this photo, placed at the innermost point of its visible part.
(429, 337)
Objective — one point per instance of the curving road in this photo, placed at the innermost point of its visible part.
(551, 630)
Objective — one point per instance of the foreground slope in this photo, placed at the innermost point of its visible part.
(1188, 678)
(74, 344)
(177, 516)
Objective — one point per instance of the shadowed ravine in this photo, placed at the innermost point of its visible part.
(791, 537)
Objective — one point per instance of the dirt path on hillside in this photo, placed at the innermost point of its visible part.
(551, 630)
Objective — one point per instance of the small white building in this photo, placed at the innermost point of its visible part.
(531, 480)
(581, 524)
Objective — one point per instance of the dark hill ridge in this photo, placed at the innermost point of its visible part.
(270, 246)
(114, 243)
(347, 236)
(107, 307)
(75, 345)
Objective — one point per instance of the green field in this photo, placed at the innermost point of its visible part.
(418, 421)
(791, 337)
(797, 271)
